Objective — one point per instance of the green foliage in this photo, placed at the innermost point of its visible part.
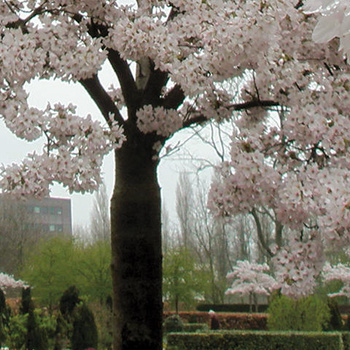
(17, 331)
(36, 337)
(4, 317)
(183, 278)
(50, 269)
(84, 329)
(335, 322)
(103, 317)
(305, 314)
(255, 341)
(60, 262)
(93, 270)
(173, 323)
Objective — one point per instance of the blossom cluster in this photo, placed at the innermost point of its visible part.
(8, 281)
(297, 265)
(164, 122)
(333, 22)
(75, 150)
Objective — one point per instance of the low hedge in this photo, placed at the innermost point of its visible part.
(195, 327)
(237, 321)
(246, 340)
(241, 308)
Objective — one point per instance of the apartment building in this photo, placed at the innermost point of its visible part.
(48, 215)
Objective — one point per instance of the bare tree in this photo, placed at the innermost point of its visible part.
(100, 225)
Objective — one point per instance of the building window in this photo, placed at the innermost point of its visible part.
(44, 210)
(52, 228)
(37, 210)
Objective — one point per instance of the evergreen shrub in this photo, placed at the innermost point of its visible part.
(304, 314)
(84, 329)
(173, 323)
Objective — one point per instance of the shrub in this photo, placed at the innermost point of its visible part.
(69, 300)
(335, 322)
(305, 314)
(84, 329)
(255, 340)
(173, 324)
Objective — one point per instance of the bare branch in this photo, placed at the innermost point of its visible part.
(102, 99)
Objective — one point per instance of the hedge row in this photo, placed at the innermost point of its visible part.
(246, 340)
(241, 308)
(238, 321)
(343, 309)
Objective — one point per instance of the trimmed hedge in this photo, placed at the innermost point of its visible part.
(195, 327)
(227, 320)
(246, 340)
(241, 308)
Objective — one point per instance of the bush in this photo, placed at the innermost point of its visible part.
(173, 324)
(335, 322)
(242, 321)
(84, 329)
(254, 340)
(305, 314)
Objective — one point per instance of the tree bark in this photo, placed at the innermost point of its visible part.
(136, 248)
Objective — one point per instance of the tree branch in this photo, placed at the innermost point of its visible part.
(125, 77)
(260, 233)
(102, 99)
(174, 98)
(200, 119)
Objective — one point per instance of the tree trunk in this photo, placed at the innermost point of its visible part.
(136, 248)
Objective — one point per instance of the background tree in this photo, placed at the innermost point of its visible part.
(100, 225)
(171, 66)
(50, 269)
(16, 237)
(184, 280)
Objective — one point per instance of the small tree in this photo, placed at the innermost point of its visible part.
(183, 279)
(251, 279)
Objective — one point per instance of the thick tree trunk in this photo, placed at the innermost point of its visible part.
(136, 250)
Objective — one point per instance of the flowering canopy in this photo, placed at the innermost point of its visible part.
(8, 281)
(251, 278)
(290, 145)
(333, 22)
(338, 272)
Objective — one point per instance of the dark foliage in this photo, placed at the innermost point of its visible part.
(5, 313)
(36, 336)
(173, 324)
(84, 329)
(27, 304)
(69, 300)
(335, 322)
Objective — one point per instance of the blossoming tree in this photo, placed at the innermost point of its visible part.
(171, 59)
(249, 279)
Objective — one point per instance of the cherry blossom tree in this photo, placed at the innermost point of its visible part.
(251, 279)
(171, 60)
